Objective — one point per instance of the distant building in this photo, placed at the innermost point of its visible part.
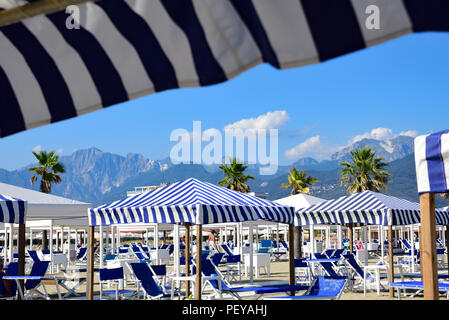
(263, 195)
(143, 189)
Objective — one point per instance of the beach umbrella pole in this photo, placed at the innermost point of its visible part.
(90, 266)
(447, 247)
(199, 247)
(391, 259)
(21, 252)
(291, 256)
(187, 256)
(429, 251)
(351, 238)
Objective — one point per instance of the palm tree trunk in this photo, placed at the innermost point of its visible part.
(297, 235)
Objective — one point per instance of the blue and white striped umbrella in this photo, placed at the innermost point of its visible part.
(365, 208)
(12, 210)
(124, 49)
(191, 201)
(432, 162)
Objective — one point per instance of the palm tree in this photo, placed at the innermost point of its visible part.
(48, 170)
(364, 172)
(299, 181)
(235, 179)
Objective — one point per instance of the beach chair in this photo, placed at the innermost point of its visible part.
(219, 286)
(31, 291)
(142, 258)
(266, 243)
(113, 276)
(331, 269)
(323, 288)
(302, 272)
(151, 289)
(33, 255)
(227, 250)
(329, 253)
(82, 254)
(418, 286)
(216, 258)
(233, 268)
(359, 274)
(11, 270)
(160, 276)
(284, 244)
(263, 250)
(109, 257)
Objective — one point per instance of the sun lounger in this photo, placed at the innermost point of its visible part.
(220, 287)
(323, 288)
(31, 286)
(328, 265)
(303, 276)
(150, 287)
(367, 280)
(115, 276)
(82, 254)
(418, 285)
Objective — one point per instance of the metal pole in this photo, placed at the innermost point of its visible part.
(199, 248)
(187, 256)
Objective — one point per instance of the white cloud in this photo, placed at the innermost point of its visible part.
(59, 151)
(312, 147)
(37, 149)
(410, 133)
(270, 120)
(376, 134)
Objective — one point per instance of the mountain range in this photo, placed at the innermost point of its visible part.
(99, 177)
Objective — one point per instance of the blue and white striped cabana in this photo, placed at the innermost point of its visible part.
(123, 49)
(432, 162)
(190, 201)
(365, 208)
(12, 210)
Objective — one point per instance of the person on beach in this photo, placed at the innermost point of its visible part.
(6, 286)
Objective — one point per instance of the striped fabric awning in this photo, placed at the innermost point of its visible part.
(124, 49)
(12, 210)
(432, 162)
(191, 201)
(365, 208)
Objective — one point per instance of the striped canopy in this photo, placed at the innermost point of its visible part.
(124, 49)
(12, 210)
(432, 162)
(365, 208)
(191, 201)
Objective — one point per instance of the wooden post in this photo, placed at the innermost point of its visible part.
(199, 249)
(447, 246)
(90, 266)
(390, 259)
(351, 238)
(429, 250)
(297, 236)
(291, 256)
(21, 252)
(187, 256)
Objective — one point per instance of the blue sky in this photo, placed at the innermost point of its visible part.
(399, 86)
